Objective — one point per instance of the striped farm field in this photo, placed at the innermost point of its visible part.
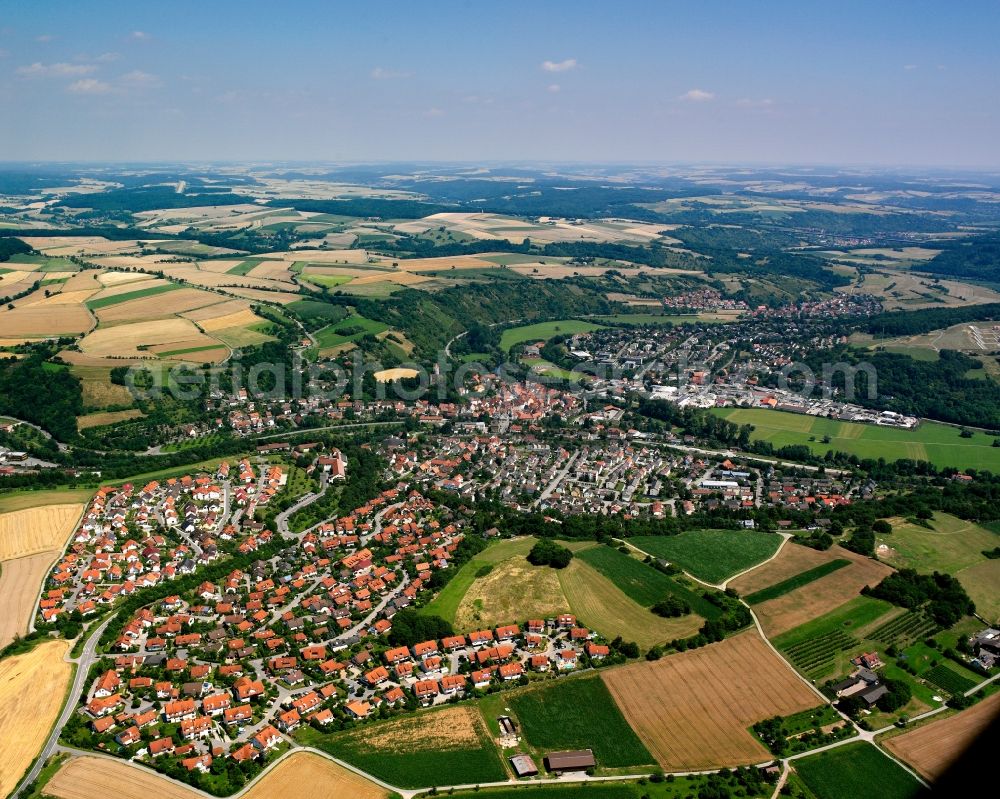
(820, 596)
(796, 581)
(931, 749)
(711, 555)
(939, 444)
(39, 529)
(125, 296)
(693, 709)
(20, 580)
(106, 417)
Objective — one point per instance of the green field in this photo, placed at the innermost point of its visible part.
(541, 366)
(412, 761)
(643, 584)
(822, 647)
(104, 302)
(795, 581)
(711, 555)
(853, 770)
(677, 787)
(578, 713)
(348, 330)
(45, 263)
(937, 443)
(329, 281)
(543, 331)
(244, 268)
(315, 311)
(188, 350)
(952, 546)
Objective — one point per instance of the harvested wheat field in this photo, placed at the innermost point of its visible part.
(820, 596)
(42, 320)
(106, 417)
(32, 687)
(227, 307)
(932, 748)
(157, 306)
(87, 777)
(26, 532)
(692, 710)
(118, 278)
(452, 728)
(243, 318)
(307, 774)
(19, 583)
(123, 340)
(793, 559)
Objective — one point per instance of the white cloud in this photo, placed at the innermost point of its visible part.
(697, 96)
(554, 87)
(909, 67)
(139, 78)
(89, 86)
(45, 37)
(433, 112)
(747, 102)
(380, 73)
(560, 66)
(139, 36)
(58, 70)
(106, 58)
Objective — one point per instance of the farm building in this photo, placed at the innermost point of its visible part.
(524, 766)
(576, 760)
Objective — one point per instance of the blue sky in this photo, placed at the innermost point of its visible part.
(910, 83)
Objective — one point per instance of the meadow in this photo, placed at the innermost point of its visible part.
(952, 546)
(578, 713)
(542, 331)
(436, 747)
(641, 583)
(936, 443)
(711, 555)
(850, 771)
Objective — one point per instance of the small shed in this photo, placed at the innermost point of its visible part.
(524, 766)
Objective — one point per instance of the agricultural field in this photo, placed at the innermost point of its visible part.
(643, 584)
(37, 529)
(822, 595)
(514, 589)
(542, 331)
(577, 713)
(20, 580)
(796, 581)
(849, 771)
(98, 390)
(308, 774)
(821, 648)
(693, 710)
(932, 748)
(87, 777)
(437, 747)
(446, 603)
(597, 602)
(711, 555)
(952, 546)
(32, 689)
(792, 560)
(348, 331)
(936, 443)
(107, 417)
